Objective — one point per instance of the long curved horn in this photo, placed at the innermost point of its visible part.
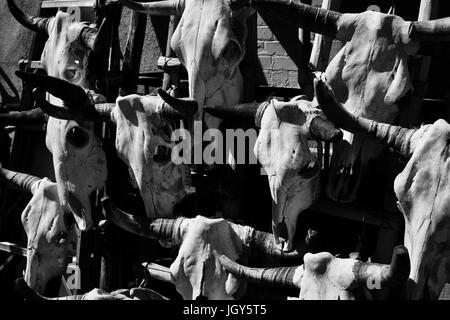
(21, 180)
(394, 274)
(261, 243)
(157, 8)
(432, 30)
(157, 229)
(176, 108)
(244, 111)
(77, 104)
(36, 24)
(396, 137)
(305, 16)
(282, 276)
(23, 118)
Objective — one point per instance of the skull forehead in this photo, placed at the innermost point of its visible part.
(197, 267)
(282, 140)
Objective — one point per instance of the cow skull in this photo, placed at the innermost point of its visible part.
(196, 272)
(50, 230)
(325, 277)
(143, 137)
(369, 75)
(282, 150)
(210, 42)
(78, 159)
(421, 190)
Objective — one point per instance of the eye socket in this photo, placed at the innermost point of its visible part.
(69, 221)
(232, 53)
(162, 154)
(77, 137)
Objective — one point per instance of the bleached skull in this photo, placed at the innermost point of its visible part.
(78, 159)
(196, 272)
(143, 141)
(282, 149)
(325, 277)
(210, 42)
(421, 190)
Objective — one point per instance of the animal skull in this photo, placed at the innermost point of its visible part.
(210, 42)
(282, 150)
(325, 277)
(196, 272)
(421, 190)
(52, 237)
(78, 159)
(143, 141)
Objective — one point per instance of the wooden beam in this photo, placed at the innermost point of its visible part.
(133, 52)
(420, 70)
(322, 45)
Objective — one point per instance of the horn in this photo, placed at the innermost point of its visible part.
(23, 118)
(28, 294)
(389, 275)
(21, 180)
(245, 111)
(157, 8)
(262, 243)
(157, 229)
(305, 16)
(396, 137)
(36, 24)
(174, 107)
(282, 276)
(323, 129)
(77, 104)
(432, 30)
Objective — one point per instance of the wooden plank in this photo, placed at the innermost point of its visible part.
(67, 3)
(172, 73)
(158, 272)
(133, 52)
(420, 70)
(322, 45)
(352, 212)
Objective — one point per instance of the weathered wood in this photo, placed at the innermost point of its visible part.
(170, 66)
(133, 52)
(420, 70)
(322, 45)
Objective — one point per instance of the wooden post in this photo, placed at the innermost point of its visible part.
(322, 45)
(420, 70)
(172, 77)
(133, 52)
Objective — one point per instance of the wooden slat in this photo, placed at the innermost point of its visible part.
(13, 248)
(158, 272)
(420, 70)
(322, 45)
(352, 212)
(67, 3)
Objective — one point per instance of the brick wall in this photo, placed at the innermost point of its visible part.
(278, 68)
